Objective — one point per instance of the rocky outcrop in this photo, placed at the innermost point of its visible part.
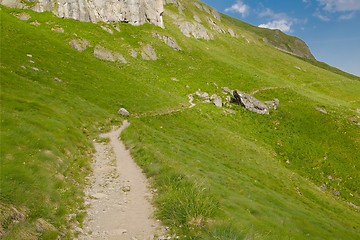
(194, 29)
(107, 55)
(135, 12)
(148, 53)
(171, 42)
(216, 100)
(79, 44)
(214, 26)
(250, 102)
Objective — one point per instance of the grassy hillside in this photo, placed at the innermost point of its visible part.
(219, 175)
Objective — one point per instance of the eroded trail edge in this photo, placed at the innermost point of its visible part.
(119, 196)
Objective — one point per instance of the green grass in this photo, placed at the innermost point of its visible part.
(218, 175)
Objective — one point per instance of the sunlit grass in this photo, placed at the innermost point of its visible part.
(218, 175)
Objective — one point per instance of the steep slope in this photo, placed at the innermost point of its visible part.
(220, 173)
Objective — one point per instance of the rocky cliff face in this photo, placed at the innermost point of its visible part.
(135, 12)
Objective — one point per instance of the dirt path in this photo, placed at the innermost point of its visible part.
(119, 195)
(169, 111)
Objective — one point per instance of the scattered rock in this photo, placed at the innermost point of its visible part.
(79, 44)
(133, 53)
(125, 188)
(273, 104)
(232, 33)
(22, 16)
(58, 80)
(35, 69)
(198, 5)
(321, 110)
(117, 28)
(107, 29)
(174, 79)
(323, 187)
(58, 29)
(171, 42)
(355, 120)
(215, 14)
(227, 90)
(107, 55)
(214, 26)
(194, 29)
(123, 112)
(35, 23)
(217, 101)
(353, 205)
(148, 53)
(250, 102)
(336, 193)
(203, 95)
(29, 55)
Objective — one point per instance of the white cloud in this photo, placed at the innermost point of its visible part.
(279, 21)
(339, 5)
(282, 24)
(347, 16)
(321, 17)
(239, 7)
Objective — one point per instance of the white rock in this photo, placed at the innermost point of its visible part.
(136, 12)
(123, 112)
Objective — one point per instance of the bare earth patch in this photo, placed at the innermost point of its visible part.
(118, 198)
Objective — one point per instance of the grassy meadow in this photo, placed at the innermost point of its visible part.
(293, 174)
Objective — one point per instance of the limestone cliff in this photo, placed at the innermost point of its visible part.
(135, 12)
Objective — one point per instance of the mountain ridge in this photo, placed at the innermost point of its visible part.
(141, 11)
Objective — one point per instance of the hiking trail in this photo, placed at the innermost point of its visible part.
(119, 196)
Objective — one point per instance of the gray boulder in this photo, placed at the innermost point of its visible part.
(123, 112)
(272, 104)
(250, 102)
(217, 101)
(171, 42)
(107, 55)
(148, 53)
(227, 90)
(203, 95)
(79, 44)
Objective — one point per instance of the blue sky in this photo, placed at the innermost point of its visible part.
(331, 28)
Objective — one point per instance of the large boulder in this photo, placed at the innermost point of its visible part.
(250, 102)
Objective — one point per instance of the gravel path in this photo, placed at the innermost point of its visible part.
(118, 198)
